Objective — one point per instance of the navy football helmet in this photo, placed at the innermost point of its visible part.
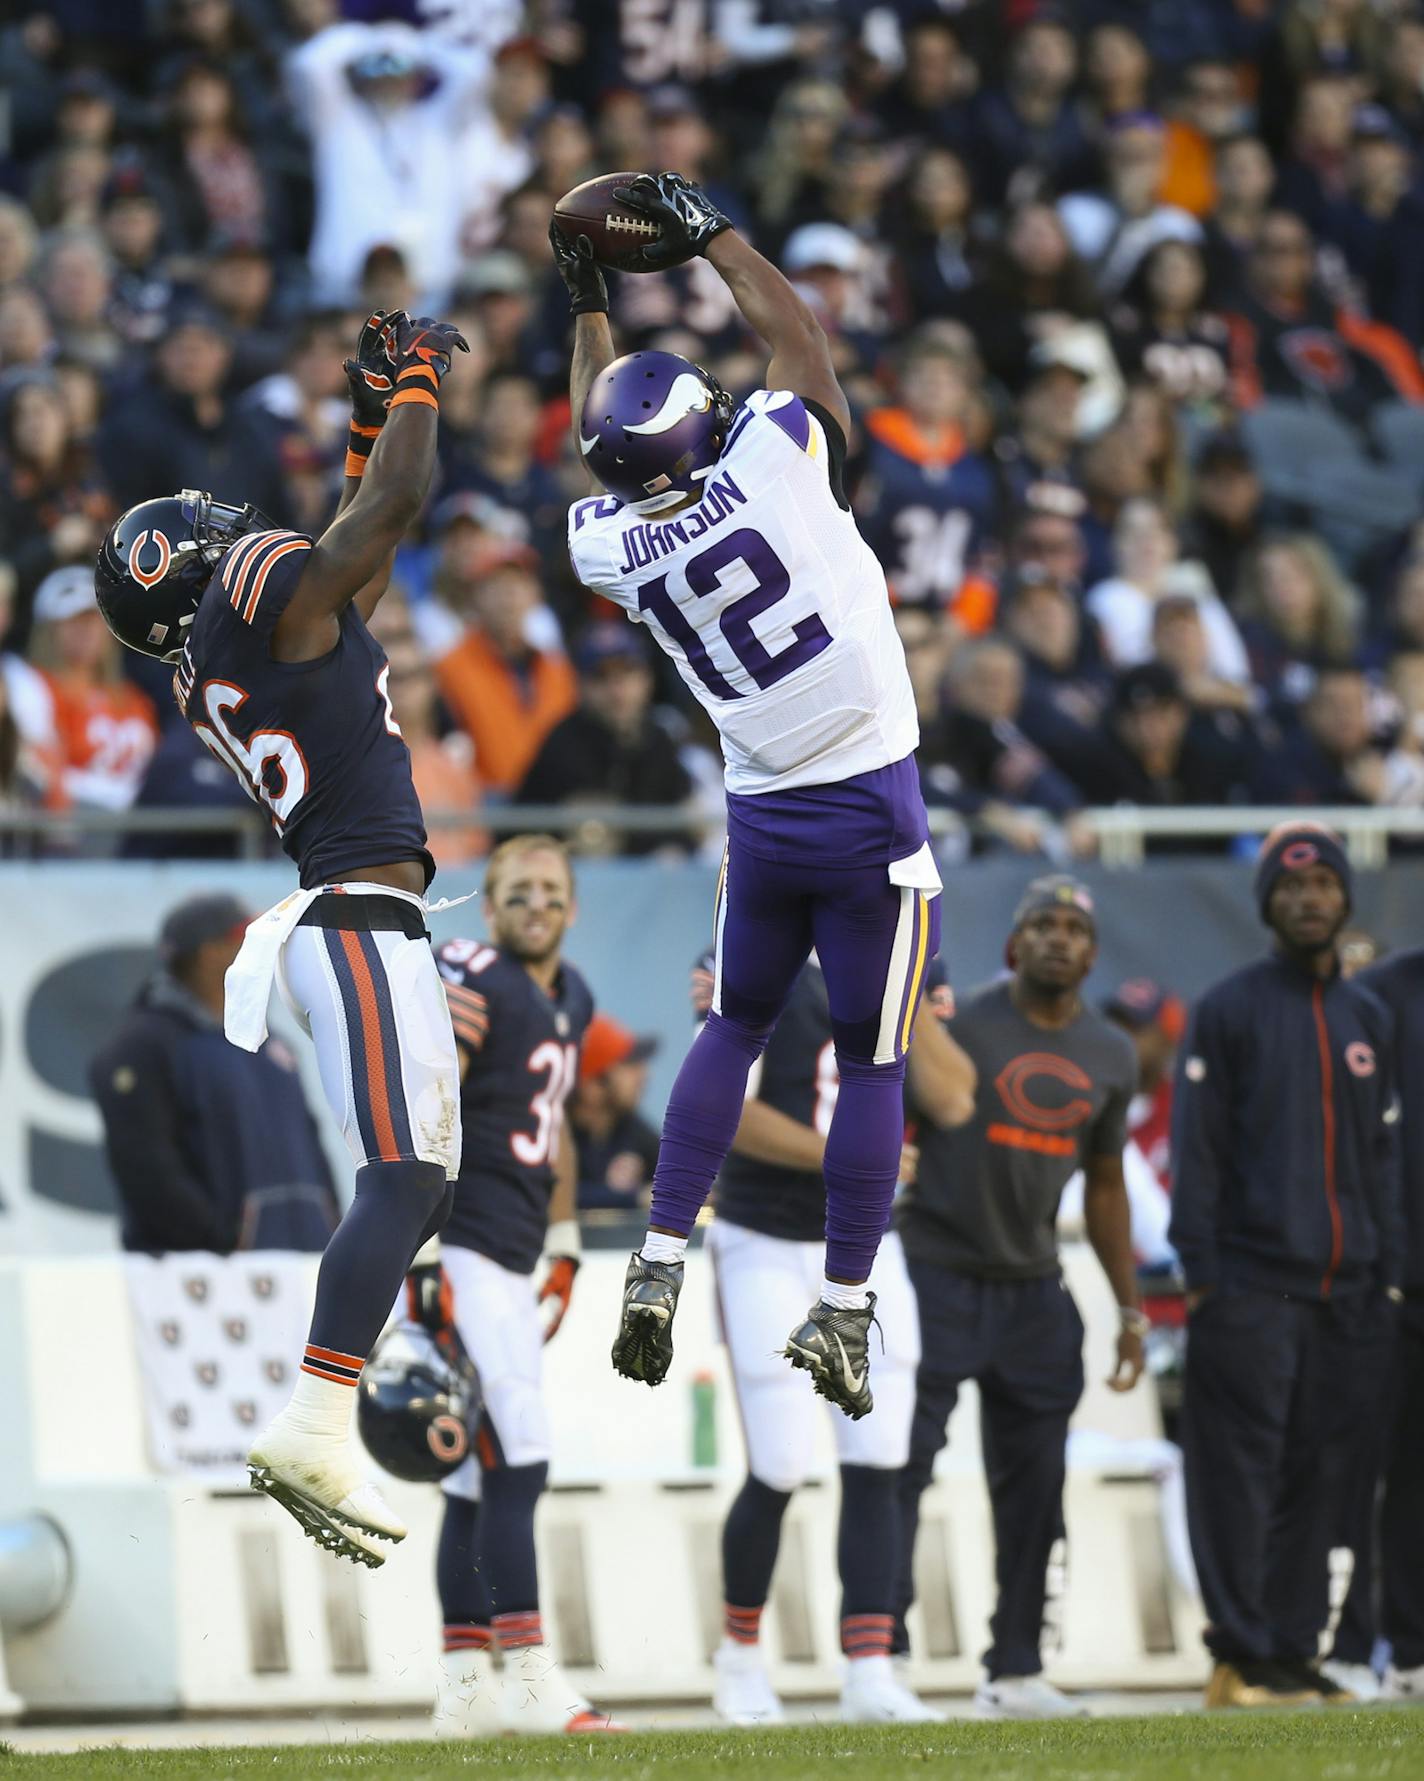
(418, 1403)
(652, 428)
(155, 564)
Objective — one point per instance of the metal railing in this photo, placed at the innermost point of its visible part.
(1123, 831)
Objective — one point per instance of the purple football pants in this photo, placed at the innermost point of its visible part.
(874, 940)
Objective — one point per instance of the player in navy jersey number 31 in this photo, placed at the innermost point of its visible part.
(278, 674)
(727, 532)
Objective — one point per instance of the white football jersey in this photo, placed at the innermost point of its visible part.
(770, 602)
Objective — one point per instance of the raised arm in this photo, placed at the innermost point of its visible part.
(691, 224)
(355, 550)
(588, 304)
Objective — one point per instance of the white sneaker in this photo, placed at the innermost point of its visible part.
(467, 1696)
(742, 1694)
(1024, 1697)
(320, 1486)
(538, 1697)
(1403, 1685)
(1356, 1679)
(874, 1695)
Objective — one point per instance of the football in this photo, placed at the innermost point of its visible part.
(618, 234)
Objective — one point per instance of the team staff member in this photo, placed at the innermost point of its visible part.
(1286, 1216)
(768, 1249)
(212, 1147)
(1399, 984)
(520, 1012)
(1055, 1079)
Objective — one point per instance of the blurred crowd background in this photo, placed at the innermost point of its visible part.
(1127, 295)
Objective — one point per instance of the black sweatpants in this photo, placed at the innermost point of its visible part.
(1402, 1517)
(1021, 1341)
(1270, 1408)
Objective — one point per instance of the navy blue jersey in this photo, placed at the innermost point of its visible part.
(520, 1048)
(316, 742)
(798, 1077)
(925, 521)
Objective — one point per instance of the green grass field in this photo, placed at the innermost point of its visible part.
(1331, 1746)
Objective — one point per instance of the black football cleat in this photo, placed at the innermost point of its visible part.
(642, 1348)
(834, 1348)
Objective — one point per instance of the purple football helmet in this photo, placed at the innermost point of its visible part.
(653, 425)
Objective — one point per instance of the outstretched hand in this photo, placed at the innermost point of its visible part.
(580, 271)
(689, 219)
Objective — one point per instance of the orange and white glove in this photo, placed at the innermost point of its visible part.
(564, 1248)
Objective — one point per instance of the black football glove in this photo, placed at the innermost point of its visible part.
(582, 276)
(418, 352)
(429, 1300)
(372, 384)
(688, 217)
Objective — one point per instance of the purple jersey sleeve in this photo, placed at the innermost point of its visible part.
(259, 575)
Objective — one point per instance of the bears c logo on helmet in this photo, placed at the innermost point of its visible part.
(147, 577)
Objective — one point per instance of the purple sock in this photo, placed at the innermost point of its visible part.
(701, 1120)
(862, 1164)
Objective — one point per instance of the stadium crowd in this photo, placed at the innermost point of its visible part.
(1128, 299)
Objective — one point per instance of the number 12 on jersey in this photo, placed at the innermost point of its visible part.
(703, 576)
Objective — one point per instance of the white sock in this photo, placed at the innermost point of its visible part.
(843, 1297)
(658, 1247)
(321, 1408)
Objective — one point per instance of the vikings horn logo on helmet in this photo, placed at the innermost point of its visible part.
(686, 395)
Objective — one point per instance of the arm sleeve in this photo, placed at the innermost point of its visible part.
(258, 577)
(156, 1182)
(1201, 1128)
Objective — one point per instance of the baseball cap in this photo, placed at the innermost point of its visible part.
(1055, 890)
(215, 916)
(610, 641)
(608, 1042)
(821, 244)
(1141, 1002)
(1149, 683)
(65, 593)
(1074, 349)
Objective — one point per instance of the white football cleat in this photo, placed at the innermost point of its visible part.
(1358, 1680)
(743, 1694)
(467, 1696)
(1024, 1697)
(321, 1488)
(1403, 1685)
(874, 1695)
(539, 1698)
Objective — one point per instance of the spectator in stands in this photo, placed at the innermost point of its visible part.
(220, 184)
(1339, 754)
(102, 728)
(504, 690)
(1117, 73)
(183, 775)
(1027, 138)
(1298, 613)
(792, 174)
(493, 148)
(933, 246)
(77, 284)
(1112, 230)
(1289, 340)
(1289, 1228)
(183, 432)
(1151, 749)
(1034, 286)
(239, 282)
(1376, 223)
(1224, 523)
(1065, 684)
(997, 774)
(19, 242)
(617, 1148)
(1314, 175)
(1165, 332)
(923, 107)
(382, 110)
(1405, 626)
(614, 749)
(1148, 570)
(1181, 643)
(1207, 108)
(500, 462)
(1401, 77)
(211, 1147)
(133, 224)
(1244, 176)
(1046, 536)
(926, 502)
(52, 508)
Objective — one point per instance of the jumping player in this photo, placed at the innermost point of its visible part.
(520, 1013)
(728, 533)
(767, 1244)
(279, 676)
